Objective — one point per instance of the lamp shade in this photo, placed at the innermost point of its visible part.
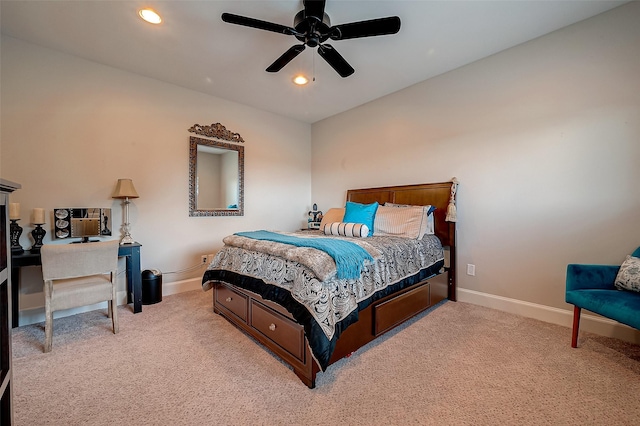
(125, 189)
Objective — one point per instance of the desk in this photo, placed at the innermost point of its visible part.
(131, 253)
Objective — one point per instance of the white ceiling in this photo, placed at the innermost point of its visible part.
(194, 49)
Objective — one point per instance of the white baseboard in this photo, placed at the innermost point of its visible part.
(35, 313)
(182, 286)
(588, 322)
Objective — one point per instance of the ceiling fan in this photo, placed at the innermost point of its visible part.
(312, 27)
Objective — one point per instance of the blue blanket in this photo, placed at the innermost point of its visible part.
(349, 257)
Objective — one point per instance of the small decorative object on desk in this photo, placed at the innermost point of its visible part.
(14, 228)
(315, 217)
(38, 233)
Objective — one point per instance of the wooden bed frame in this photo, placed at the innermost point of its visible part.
(275, 328)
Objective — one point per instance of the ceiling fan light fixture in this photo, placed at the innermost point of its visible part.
(150, 16)
(312, 27)
(300, 80)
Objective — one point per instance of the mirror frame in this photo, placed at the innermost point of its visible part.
(193, 155)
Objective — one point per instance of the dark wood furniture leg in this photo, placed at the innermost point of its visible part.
(131, 253)
(15, 288)
(576, 326)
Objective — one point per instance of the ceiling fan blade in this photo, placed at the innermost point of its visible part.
(373, 27)
(314, 8)
(256, 23)
(286, 58)
(334, 59)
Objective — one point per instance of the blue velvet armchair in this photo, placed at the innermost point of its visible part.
(592, 287)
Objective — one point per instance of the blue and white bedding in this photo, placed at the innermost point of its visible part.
(348, 257)
(304, 280)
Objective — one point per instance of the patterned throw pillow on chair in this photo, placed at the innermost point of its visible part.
(629, 275)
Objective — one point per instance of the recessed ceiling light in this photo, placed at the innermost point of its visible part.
(300, 80)
(150, 16)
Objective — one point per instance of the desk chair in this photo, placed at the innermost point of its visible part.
(78, 275)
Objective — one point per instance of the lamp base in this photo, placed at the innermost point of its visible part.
(127, 239)
(38, 234)
(15, 232)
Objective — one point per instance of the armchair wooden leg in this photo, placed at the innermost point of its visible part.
(48, 333)
(113, 305)
(576, 326)
(114, 315)
(48, 319)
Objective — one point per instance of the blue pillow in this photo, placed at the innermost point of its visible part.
(360, 213)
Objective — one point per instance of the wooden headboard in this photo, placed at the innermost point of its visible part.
(435, 194)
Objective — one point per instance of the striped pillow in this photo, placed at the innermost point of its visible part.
(428, 222)
(346, 229)
(403, 222)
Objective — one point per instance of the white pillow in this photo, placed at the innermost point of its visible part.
(398, 221)
(428, 225)
(346, 229)
(628, 277)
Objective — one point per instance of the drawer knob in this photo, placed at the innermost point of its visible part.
(228, 299)
(272, 327)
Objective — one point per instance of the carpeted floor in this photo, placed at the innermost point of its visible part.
(177, 363)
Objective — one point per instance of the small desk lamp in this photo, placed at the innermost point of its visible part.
(126, 190)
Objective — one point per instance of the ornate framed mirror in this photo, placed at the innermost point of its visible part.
(216, 172)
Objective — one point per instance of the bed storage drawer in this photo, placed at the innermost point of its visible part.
(232, 301)
(392, 312)
(282, 331)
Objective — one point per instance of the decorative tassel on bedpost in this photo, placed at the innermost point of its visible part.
(452, 214)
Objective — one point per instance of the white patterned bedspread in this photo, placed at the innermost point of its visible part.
(328, 299)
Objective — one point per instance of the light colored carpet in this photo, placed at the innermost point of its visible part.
(178, 363)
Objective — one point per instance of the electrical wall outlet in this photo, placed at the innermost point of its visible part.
(205, 257)
(471, 269)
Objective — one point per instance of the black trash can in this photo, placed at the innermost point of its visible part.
(151, 286)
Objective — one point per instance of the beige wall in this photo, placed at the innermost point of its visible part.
(545, 140)
(71, 128)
